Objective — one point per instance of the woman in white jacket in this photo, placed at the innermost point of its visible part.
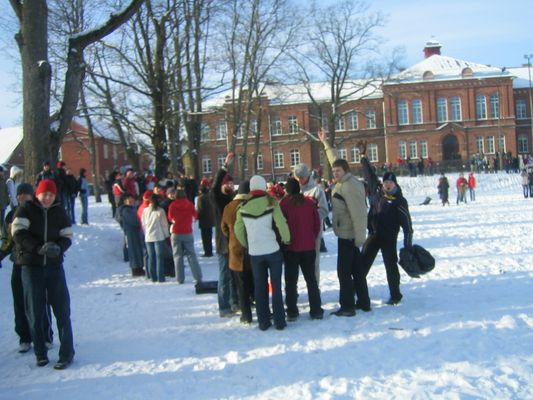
(15, 178)
(156, 230)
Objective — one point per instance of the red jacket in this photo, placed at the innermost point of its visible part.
(181, 214)
(304, 224)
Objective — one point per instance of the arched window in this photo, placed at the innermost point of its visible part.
(403, 112)
(481, 107)
(442, 109)
(495, 105)
(416, 105)
(455, 104)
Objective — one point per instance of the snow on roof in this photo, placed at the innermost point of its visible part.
(279, 94)
(521, 74)
(10, 139)
(437, 67)
(100, 128)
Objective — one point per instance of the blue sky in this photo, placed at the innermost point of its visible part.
(487, 32)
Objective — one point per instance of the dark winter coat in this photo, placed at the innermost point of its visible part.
(206, 213)
(71, 185)
(127, 217)
(33, 225)
(220, 201)
(388, 212)
(304, 223)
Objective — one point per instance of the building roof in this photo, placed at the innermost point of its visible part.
(521, 74)
(443, 68)
(280, 94)
(10, 139)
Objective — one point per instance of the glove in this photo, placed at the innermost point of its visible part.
(50, 249)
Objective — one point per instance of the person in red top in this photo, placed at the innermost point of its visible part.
(130, 183)
(461, 185)
(472, 186)
(181, 214)
(304, 225)
(146, 202)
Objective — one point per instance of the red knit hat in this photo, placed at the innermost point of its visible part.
(46, 185)
(227, 178)
(147, 194)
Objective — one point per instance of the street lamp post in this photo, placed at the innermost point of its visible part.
(528, 57)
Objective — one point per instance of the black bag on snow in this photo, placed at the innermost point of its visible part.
(416, 261)
(206, 287)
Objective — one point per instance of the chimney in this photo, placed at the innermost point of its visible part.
(432, 47)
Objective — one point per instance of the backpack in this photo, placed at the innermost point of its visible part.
(416, 261)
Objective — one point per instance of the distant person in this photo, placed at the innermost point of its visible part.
(443, 188)
(472, 184)
(461, 185)
(83, 187)
(46, 173)
(42, 234)
(131, 225)
(206, 220)
(156, 231)
(15, 178)
(70, 187)
(525, 183)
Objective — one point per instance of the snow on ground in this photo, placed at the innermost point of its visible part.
(463, 331)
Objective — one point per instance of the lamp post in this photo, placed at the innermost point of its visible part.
(528, 57)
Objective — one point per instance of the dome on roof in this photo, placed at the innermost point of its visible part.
(428, 75)
(433, 43)
(467, 72)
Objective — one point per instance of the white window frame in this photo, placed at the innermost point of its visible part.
(495, 106)
(501, 143)
(352, 121)
(442, 109)
(490, 145)
(402, 150)
(370, 117)
(413, 149)
(372, 152)
(403, 112)
(279, 160)
(294, 156)
(221, 159)
(340, 125)
(523, 143)
(521, 109)
(222, 130)
(206, 165)
(204, 132)
(424, 149)
(342, 153)
(416, 106)
(260, 164)
(456, 109)
(293, 124)
(356, 155)
(480, 145)
(481, 107)
(276, 128)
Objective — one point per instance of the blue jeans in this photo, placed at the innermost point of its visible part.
(84, 209)
(156, 260)
(40, 284)
(262, 266)
(227, 292)
(183, 246)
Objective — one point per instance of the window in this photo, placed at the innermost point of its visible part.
(115, 152)
(417, 111)
(490, 145)
(523, 144)
(204, 132)
(455, 104)
(424, 149)
(342, 153)
(221, 159)
(278, 160)
(413, 153)
(402, 150)
(352, 120)
(339, 121)
(221, 129)
(521, 112)
(253, 127)
(372, 153)
(403, 113)
(442, 109)
(240, 130)
(481, 107)
(479, 145)
(370, 119)
(106, 151)
(356, 155)
(501, 143)
(275, 126)
(495, 105)
(206, 165)
(295, 157)
(293, 125)
(259, 161)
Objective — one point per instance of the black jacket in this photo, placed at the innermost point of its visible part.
(219, 201)
(387, 212)
(33, 225)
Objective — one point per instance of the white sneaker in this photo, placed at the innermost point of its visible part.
(24, 347)
(48, 345)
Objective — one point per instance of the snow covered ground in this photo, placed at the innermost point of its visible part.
(464, 331)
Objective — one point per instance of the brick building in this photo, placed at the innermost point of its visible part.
(443, 109)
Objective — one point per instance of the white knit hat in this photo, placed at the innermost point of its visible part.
(257, 182)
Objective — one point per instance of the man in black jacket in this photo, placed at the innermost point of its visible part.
(42, 233)
(388, 212)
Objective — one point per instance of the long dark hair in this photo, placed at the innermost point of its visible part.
(292, 187)
(154, 201)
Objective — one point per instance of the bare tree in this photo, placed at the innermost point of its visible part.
(42, 139)
(342, 49)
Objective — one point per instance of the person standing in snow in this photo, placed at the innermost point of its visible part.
(349, 224)
(472, 183)
(461, 185)
(388, 212)
(305, 226)
(42, 233)
(155, 227)
(15, 178)
(131, 225)
(254, 229)
(181, 214)
(525, 183)
(84, 196)
(206, 220)
(22, 328)
(443, 187)
(314, 192)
